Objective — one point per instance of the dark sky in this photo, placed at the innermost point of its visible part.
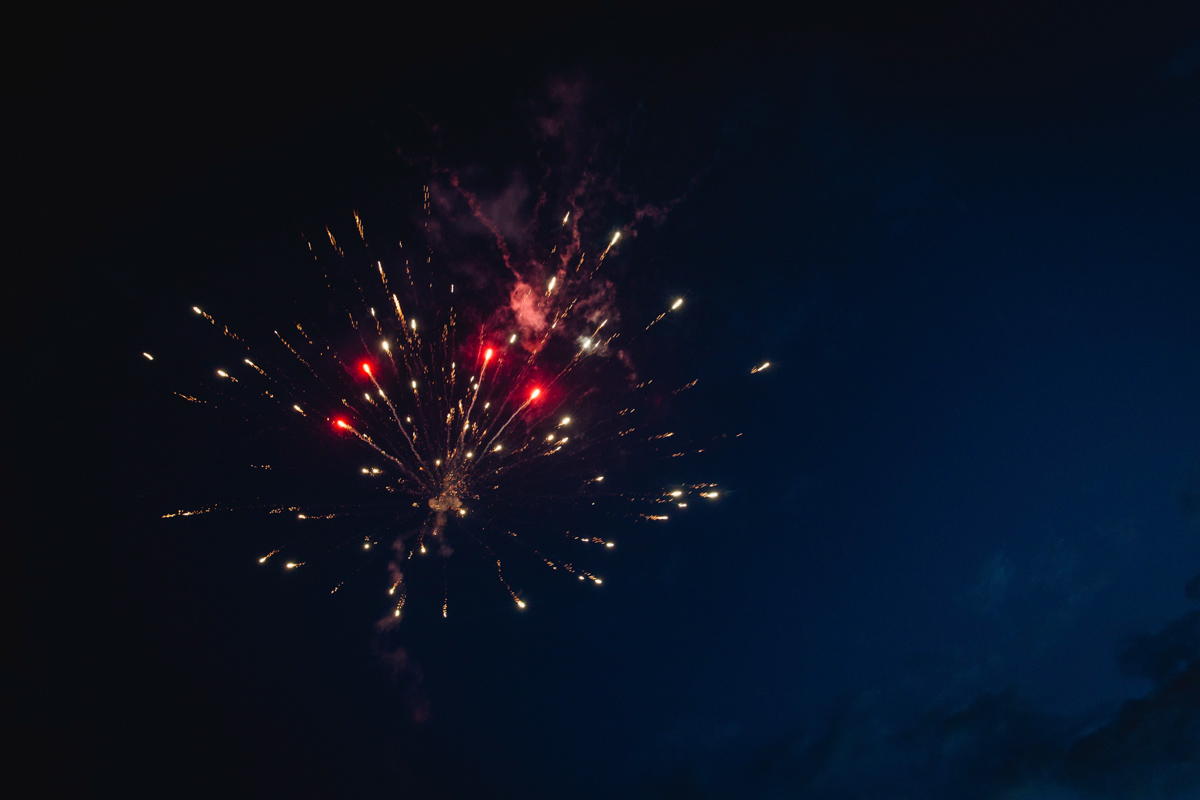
(961, 518)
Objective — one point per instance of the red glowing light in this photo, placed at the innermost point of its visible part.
(487, 356)
(341, 423)
(366, 367)
(534, 394)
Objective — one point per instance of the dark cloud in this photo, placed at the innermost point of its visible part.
(1151, 748)
(1163, 655)
(997, 745)
(986, 749)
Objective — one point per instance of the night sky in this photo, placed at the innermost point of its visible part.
(959, 552)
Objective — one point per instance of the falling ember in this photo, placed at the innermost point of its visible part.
(760, 367)
(148, 356)
(678, 302)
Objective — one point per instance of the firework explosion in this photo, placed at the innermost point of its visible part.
(520, 406)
